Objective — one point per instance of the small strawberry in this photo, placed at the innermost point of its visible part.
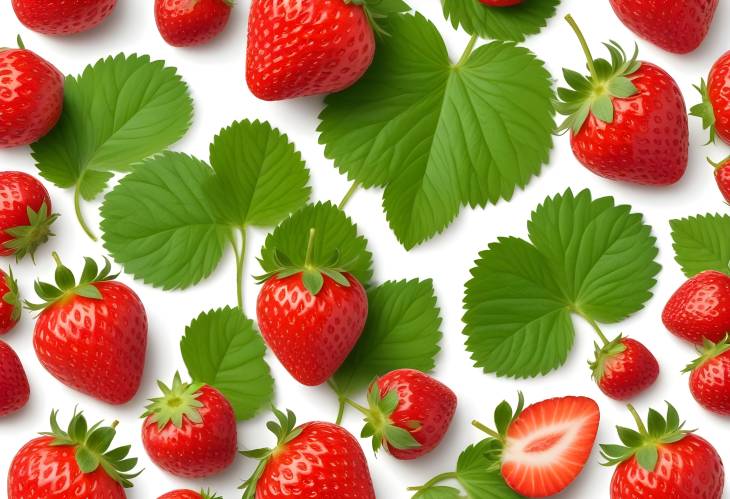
(627, 119)
(700, 308)
(9, 301)
(722, 177)
(311, 317)
(14, 388)
(543, 448)
(189, 494)
(678, 27)
(91, 335)
(75, 463)
(65, 17)
(709, 381)
(318, 460)
(623, 368)
(501, 3)
(190, 431)
(715, 107)
(663, 461)
(183, 23)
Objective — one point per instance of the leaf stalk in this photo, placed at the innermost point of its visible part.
(79, 215)
(467, 51)
(584, 46)
(353, 188)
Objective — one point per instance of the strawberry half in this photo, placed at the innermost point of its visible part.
(14, 388)
(709, 381)
(715, 106)
(623, 368)
(10, 305)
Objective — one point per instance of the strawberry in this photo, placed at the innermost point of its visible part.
(14, 388)
(709, 381)
(315, 459)
(189, 494)
(62, 17)
(183, 23)
(75, 463)
(623, 368)
(501, 3)
(9, 301)
(91, 335)
(700, 308)
(311, 317)
(722, 177)
(190, 431)
(663, 461)
(627, 119)
(25, 214)
(715, 107)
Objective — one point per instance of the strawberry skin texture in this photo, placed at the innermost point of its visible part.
(41, 470)
(195, 450)
(95, 346)
(700, 308)
(501, 3)
(181, 494)
(710, 384)
(647, 142)
(31, 97)
(678, 27)
(18, 192)
(14, 388)
(311, 335)
(324, 462)
(630, 372)
(722, 177)
(62, 17)
(718, 89)
(688, 469)
(306, 47)
(184, 23)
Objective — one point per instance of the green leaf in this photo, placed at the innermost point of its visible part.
(223, 349)
(702, 243)
(157, 222)
(438, 492)
(479, 478)
(402, 331)
(501, 23)
(436, 135)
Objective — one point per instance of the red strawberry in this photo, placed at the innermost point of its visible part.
(546, 445)
(715, 107)
(191, 430)
(700, 308)
(627, 119)
(62, 17)
(722, 177)
(91, 336)
(189, 494)
(14, 388)
(663, 461)
(75, 463)
(25, 214)
(623, 368)
(311, 317)
(9, 301)
(709, 380)
(183, 23)
(319, 460)
(31, 96)
(501, 3)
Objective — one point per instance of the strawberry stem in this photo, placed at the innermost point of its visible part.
(637, 418)
(340, 410)
(240, 254)
(21, 45)
(360, 408)
(310, 248)
(79, 215)
(353, 188)
(56, 258)
(584, 46)
(467, 51)
(595, 327)
(451, 475)
(479, 426)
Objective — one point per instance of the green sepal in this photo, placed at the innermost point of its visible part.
(379, 425)
(504, 416)
(708, 351)
(207, 494)
(379, 10)
(705, 111)
(603, 354)
(177, 402)
(12, 296)
(27, 238)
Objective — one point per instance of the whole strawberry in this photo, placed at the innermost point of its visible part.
(623, 368)
(709, 379)
(315, 459)
(627, 119)
(183, 23)
(311, 317)
(14, 388)
(9, 301)
(722, 177)
(31, 91)
(75, 463)
(62, 17)
(91, 335)
(700, 308)
(715, 107)
(189, 494)
(25, 214)
(190, 431)
(501, 3)
(662, 460)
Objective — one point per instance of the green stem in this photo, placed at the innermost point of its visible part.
(353, 188)
(451, 475)
(21, 45)
(596, 328)
(468, 50)
(310, 248)
(56, 258)
(637, 418)
(357, 406)
(240, 261)
(79, 215)
(584, 45)
(479, 426)
(340, 410)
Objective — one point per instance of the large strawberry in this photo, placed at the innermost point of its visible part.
(10, 305)
(623, 368)
(700, 308)
(25, 214)
(317, 459)
(663, 461)
(544, 447)
(190, 431)
(14, 388)
(311, 317)
(715, 107)
(627, 119)
(709, 379)
(722, 176)
(62, 17)
(183, 23)
(91, 335)
(189, 494)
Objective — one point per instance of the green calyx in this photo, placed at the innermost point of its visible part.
(178, 401)
(12, 296)
(27, 238)
(594, 94)
(285, 428)
(719, 164)
(207, 494)
(705, 111)
(708, 351)
(644, 444)
(66, 285)
(378, 11)
(379, 425)
(603, 354)
(92, 448)
(504, 416)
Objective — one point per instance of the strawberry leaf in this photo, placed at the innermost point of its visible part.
(701, 243)
(500, 23)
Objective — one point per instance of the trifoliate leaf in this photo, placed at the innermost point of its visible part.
(223, 349)
(501, 23)
(702, 243)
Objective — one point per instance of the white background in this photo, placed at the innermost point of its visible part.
(215, 74)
